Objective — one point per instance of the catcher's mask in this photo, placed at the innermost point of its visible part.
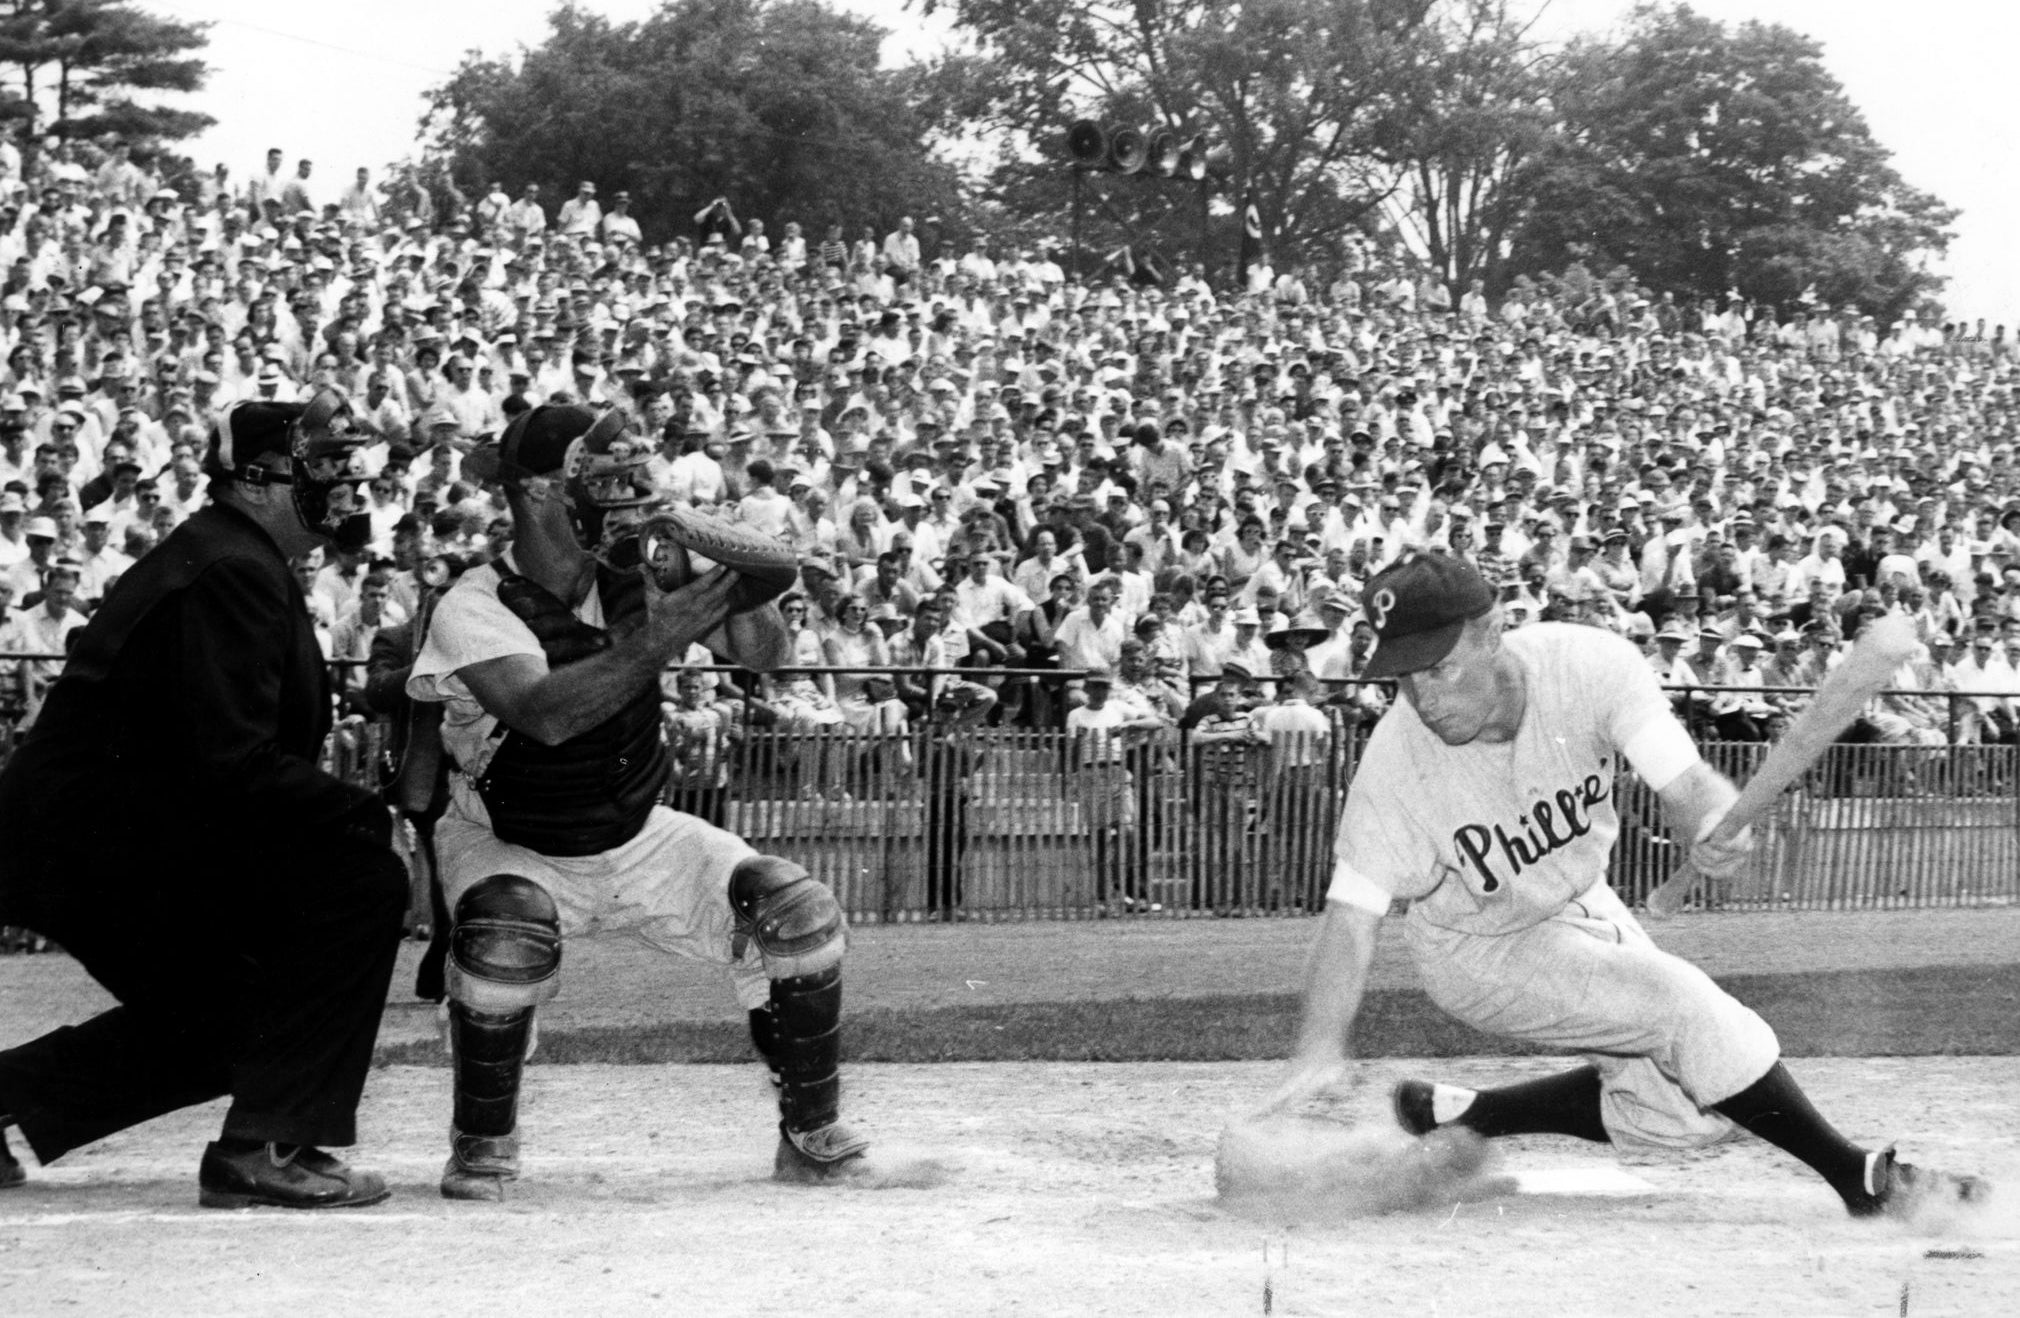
(592, 462)
(325, 472)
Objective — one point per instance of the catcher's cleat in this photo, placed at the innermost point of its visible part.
(283, 1176)
(1412, 1102)
(1901, 1190)
(11, 1172)
(817, 1157)
(479, 1166)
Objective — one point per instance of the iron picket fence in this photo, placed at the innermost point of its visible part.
(1030, 824)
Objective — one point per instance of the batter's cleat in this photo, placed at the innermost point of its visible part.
(819, 1157)
(1902, 1190)
(11, 1172)
(479, 1166)
(1412, 1102)
(283, 1176)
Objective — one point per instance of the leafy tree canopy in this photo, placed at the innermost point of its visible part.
(779, 105)
(1707, 159)
(83, 68)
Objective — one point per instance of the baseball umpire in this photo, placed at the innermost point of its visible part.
(549, 662)
(1485, 800)
(167, 823)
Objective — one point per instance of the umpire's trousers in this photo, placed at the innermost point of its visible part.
(262, 977)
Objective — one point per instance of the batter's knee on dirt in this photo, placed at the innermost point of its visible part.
(793, 918)
(806, 1040)
(505, 950)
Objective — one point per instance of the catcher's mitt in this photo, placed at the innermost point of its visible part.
(680, 544)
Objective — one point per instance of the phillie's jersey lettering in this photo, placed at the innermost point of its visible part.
(1554, 822)
(1495, 837)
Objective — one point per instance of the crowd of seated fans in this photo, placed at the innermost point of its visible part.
(989, 467)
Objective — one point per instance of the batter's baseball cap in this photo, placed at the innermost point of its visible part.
(1418, 607)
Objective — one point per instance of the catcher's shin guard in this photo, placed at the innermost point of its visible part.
(806, 1047)
(504, 958)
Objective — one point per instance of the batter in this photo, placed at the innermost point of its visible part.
(1485, 801)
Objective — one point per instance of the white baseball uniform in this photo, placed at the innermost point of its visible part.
(668, 886)
(1501, 851)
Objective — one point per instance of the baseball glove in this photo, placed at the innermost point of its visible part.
(680, 544)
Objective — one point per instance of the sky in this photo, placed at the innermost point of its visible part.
(342, 82)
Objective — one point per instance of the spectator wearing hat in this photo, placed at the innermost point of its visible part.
(581, 215)
(1738, 715)
(40, 534)
(13, 530)
(619, 228)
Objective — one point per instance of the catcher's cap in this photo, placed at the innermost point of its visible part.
(1418, 607)
(535, 444)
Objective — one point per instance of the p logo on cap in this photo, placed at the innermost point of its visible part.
(1418, 607)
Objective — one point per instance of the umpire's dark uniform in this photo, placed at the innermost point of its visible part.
(167, 823)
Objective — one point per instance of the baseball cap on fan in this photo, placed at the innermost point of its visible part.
(1418, 608)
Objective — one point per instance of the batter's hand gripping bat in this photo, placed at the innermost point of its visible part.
(1886, 644)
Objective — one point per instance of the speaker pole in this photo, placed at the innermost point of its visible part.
(1079, 183)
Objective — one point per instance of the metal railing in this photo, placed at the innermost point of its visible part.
(1020, 824)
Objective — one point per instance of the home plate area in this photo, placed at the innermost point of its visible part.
(1069, 1188)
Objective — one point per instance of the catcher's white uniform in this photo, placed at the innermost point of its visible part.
(667, 886)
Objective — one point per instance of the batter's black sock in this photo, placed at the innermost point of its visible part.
(1775, 1108)
(1565, 1104)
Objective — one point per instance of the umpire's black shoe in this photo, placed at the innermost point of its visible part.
(283, 1176)
(11, 1173)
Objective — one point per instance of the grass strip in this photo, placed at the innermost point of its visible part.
(1918, 1012)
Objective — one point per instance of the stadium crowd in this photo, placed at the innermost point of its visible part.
(987, 465)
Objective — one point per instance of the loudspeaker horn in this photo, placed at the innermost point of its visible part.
(1163, 153)
(1087, 143)
(1127, 150)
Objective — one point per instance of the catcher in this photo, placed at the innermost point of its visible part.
(548, 661)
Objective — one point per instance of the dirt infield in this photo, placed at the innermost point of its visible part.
(1076, 1189)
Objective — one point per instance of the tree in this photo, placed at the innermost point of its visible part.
(779, 105)
(80, 63)
(1707, 159)
(1480, 114)
(1303, 99)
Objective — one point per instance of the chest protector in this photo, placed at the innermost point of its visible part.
(593, 791)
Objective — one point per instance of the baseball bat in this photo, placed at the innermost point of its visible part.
(1886, 644)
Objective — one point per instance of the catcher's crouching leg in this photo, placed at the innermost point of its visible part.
(504, 959)
(800, 934)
